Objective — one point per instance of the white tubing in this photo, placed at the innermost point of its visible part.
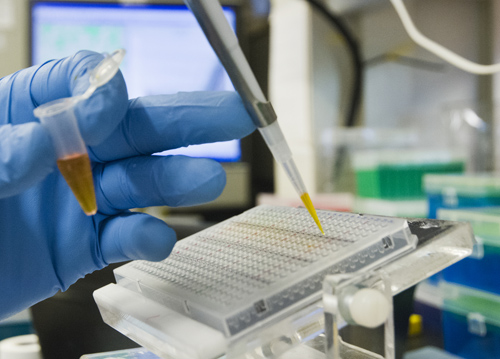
(437, 49)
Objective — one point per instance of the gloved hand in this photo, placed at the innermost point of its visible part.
(46, 241)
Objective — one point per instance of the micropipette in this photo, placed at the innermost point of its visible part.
(59, 118)
(219, 33)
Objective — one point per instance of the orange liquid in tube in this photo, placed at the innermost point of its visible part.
(77, 172)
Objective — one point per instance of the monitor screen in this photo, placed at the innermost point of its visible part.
(166, 50)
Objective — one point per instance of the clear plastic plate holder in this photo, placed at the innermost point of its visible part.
(139, 307)
(357, 299)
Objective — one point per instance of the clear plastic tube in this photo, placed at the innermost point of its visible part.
(58, 117)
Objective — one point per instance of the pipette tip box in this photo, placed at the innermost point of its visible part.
(481, 269)
(396, 174)
(461, 191)
(471, 321)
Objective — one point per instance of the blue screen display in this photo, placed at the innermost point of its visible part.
(167, 51)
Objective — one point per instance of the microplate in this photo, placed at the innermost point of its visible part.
(263, 263)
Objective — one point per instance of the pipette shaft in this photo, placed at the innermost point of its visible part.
(219, 33)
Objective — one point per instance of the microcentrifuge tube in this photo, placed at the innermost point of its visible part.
(58, 117)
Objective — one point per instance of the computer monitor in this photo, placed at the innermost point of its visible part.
(166, 50)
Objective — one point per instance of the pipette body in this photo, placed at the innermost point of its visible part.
(219, 33)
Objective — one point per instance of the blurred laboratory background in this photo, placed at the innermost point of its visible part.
(376, 123)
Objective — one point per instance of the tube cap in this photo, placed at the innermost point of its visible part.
(104, 72)
(107, 68)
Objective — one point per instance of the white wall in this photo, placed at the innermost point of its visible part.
(308, 70)
(13, 36)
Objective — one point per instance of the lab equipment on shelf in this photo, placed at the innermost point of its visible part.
(461, 191)
(480, 270)
(397, 174)
(471, 322)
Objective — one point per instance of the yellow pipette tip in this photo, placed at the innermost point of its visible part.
(309, 205)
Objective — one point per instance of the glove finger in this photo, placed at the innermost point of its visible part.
(157, 123)
(97, 116)
(135, 236)
(145, 181)
(26, 157)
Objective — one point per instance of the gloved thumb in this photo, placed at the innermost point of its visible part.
(26, 157)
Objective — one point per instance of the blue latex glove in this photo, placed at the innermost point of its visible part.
(46, 241)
